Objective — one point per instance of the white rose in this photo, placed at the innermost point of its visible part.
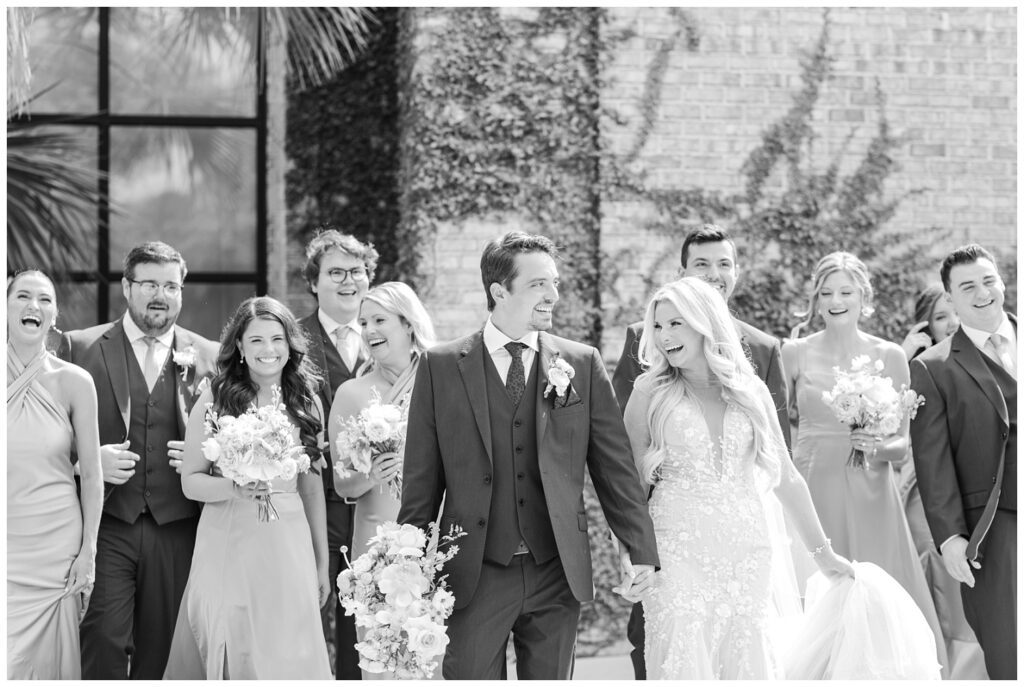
(211, 450)
(426, 637)
(558, 377)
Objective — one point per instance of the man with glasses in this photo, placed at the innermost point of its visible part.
(147, 372)
(338, 271)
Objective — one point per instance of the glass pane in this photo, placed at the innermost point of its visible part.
(76, 306)
(182, 61)
(205, 307)
(52, 162)
(192, 188)
(62, 44)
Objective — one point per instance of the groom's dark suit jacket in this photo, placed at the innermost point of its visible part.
(965, 457)
(449, 457)
(762, 350)
(106, 354)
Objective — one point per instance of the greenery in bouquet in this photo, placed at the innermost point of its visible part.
(863, 398)
(395, 591)
(379, 428)
(255, 447)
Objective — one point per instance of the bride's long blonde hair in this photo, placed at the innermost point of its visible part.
(704, 310)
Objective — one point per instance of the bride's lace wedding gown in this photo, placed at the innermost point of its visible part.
(707, 616)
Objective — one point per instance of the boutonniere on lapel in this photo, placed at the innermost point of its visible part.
(185, 359)
(560, 374)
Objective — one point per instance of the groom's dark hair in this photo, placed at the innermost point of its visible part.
(964, 255)
(498, 262)
(707, 233)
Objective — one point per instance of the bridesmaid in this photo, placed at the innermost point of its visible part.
(860, 508)
(51, 532)
(396, 329)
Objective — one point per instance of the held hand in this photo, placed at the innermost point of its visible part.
(118, 462)
(385, 467)
(323, 584)
(954, 557)
(636, 579)
(82, 574)
(916, 340)
(833, 565)
(251, 491)
(175, 453)
(866, 442)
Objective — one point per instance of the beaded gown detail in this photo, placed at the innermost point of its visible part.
(707, 617)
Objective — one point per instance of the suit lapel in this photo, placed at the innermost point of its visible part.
(547, 354)
(115, 358)
(969, 357)
(472, 367)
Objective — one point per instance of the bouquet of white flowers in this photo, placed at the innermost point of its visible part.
(863, 399)
(257, 446)
(379, 428)
(394, 591)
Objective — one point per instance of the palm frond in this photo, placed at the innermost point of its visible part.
(51, 201)
(322, 41)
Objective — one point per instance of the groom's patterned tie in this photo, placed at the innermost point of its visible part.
(515, 383)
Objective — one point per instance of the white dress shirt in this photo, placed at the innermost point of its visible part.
(137, 337)
(495, 340)
(980, 337)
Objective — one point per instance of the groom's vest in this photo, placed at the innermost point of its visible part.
(153, 422)
(518, 510)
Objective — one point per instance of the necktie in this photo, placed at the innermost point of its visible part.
(343, 342)
(1003, 353)
(150, 370)
(515, 383)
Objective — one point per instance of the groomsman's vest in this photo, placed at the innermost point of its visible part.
(1008, 385)
(518, 509)
(152, 423)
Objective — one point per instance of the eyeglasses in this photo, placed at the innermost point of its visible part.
(149, 288)
(338, 274)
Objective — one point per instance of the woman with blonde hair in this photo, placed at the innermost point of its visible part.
(860, 507)
(397, 330)
(704, 431)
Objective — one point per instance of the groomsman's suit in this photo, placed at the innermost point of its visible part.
(324, 354)
(148, 528)
(763, 352)
(965, 456)
(511, 476)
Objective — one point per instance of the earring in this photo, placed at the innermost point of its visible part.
(241, 357)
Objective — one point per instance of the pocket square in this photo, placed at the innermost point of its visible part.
(571, 398)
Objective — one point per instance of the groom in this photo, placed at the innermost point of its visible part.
(507, 458)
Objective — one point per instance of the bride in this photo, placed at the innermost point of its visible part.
(704, 431)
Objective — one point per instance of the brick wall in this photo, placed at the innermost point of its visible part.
(949, 76)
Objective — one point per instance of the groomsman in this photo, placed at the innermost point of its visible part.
(965, 452)
(501, 435)
(147, 372)
(708, 253)
(338, 272)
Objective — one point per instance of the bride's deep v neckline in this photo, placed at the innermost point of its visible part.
(715, 449)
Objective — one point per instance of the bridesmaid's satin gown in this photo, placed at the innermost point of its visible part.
(860, 509)
(251, 608)
(44, 531)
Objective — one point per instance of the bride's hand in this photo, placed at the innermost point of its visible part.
(833, 565)
(82, 574)
(385, 467)
(323, 583)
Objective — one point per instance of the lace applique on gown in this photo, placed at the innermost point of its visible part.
(707, 616)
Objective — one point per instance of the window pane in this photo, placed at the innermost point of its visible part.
(46, 162)
(76, 305)
(62, 47)
(192, 188)
(205, 308)
(182, 61)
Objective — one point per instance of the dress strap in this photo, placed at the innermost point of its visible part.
(25, 387)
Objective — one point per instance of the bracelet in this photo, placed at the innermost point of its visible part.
(816, 552)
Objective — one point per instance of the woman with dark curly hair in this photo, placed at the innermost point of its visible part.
(251, 608)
